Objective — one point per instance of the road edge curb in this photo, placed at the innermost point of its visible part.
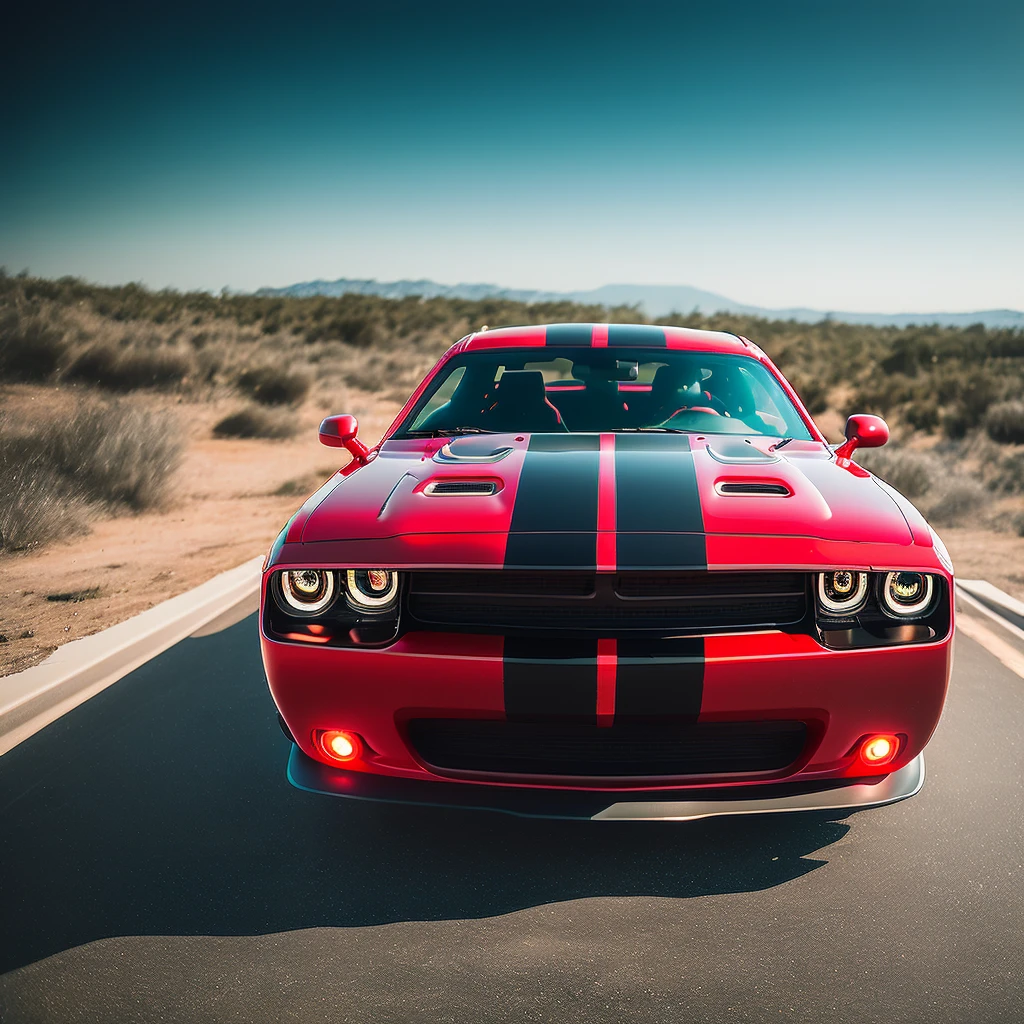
(76, 671)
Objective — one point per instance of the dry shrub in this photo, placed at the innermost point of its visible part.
(956, 502)
(32, 345)
(55, 474)
(256, 422)
(37, 504)
(119, 454)
(912, 473)
(270, 385)
(126, 369)
(1004, 422)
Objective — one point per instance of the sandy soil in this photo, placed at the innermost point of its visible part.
(224, 510)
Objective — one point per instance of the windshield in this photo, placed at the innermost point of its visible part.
(553, 390)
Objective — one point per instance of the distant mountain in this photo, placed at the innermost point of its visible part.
(654, 300)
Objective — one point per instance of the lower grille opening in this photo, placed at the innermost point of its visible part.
(624, 750)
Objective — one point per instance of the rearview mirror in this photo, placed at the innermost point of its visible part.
(863, 431)
(340, 432)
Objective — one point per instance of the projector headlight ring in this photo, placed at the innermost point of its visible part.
(372, 590)
(842, 591)
(907, 593)
(307, 590)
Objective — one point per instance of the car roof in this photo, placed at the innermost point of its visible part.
(604, 335)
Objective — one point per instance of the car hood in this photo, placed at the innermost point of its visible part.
(646, 489)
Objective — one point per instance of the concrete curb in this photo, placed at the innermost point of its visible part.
(995, 600)
(79, 670)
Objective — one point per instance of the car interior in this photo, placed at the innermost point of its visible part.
(547, 391)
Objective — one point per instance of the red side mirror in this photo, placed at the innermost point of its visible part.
(340, 432)
(863, 431)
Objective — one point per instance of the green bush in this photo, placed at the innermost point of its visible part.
(269, 385)
(1004, 422)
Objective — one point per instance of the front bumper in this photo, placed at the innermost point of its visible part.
(306, 774)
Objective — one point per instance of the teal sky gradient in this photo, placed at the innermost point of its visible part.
(861, 157)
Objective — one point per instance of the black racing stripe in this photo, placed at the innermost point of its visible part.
(656, 485)
(659, 679)
(635, 334)
(551, 550)
(550, 679)
(554, 521)
(574, 335)
(661, 551)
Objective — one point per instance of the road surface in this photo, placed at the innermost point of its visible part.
(156, 866)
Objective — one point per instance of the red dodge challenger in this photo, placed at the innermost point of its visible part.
(614, 572)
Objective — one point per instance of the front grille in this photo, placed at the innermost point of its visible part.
(666, 603)
(624, 750)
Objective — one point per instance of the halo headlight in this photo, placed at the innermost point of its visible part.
(907, 593)
(307, 590)
(843, 591)
(372, 589)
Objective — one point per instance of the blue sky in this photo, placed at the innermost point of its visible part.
(861, 156)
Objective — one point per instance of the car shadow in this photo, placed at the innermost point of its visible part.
(160, 807)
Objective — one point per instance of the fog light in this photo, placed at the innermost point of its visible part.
(340, 745)
(879, 749)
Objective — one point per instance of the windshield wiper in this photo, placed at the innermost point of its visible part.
(445, 431)
(781, 444)
(658, 430)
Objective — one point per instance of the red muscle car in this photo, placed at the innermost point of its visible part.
(608, 571)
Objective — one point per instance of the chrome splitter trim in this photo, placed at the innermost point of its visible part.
(899, 785)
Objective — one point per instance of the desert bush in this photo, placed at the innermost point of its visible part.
(1004, 422)
(955, 502)
(32, 345)
(128, 368)
(37, 504)
(912, 473)
(270, 385)
(254, 421)
(1018, 524)
(54, 475)
(119, 454)
(1005, 474)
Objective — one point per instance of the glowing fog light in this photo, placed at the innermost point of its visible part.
(879, 749)
(340, 745)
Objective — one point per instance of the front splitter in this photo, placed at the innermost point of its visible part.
(312, 776)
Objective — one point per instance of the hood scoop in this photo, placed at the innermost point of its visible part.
(469, 450)
(451, 488)
(735, 453)
(759, 487)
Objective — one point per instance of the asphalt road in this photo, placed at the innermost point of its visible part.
(156, 866)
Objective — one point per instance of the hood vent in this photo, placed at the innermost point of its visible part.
(752, 487)
(442, 488)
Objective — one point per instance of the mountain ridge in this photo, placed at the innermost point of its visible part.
(653, 301)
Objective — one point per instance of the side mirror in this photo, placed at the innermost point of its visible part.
(863, 431)
(340, 432)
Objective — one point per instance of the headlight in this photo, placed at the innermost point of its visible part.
(307, 590)
(372, 589)
(906, 593)
(842, 592)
